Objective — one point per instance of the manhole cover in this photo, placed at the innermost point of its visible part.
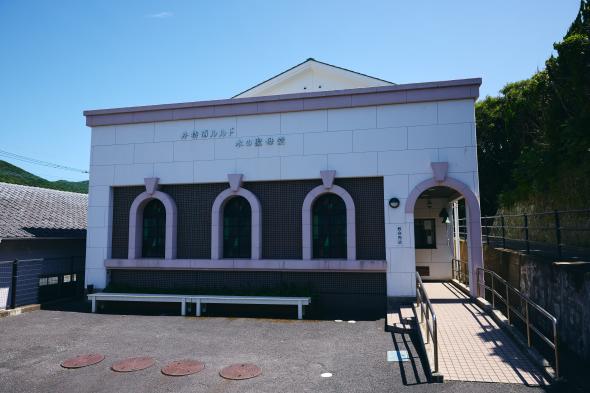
(183, 367)
(83, 360)
(241, 371)
(133, 364)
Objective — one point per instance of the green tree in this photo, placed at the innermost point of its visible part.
(534, 139)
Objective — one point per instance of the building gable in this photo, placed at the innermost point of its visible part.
(312, 76)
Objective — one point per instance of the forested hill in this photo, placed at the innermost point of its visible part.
(12, 174)
(534, 138)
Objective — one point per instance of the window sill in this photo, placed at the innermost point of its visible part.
(313, 265)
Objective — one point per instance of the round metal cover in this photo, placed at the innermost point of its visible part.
(83, 360)
(179, 368)
(133, 364)
(241, 371)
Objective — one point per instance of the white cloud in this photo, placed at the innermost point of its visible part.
(160, 15)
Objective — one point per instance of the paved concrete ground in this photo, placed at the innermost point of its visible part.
(472, 347)
(291, 353)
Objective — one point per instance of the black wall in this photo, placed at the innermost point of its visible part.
(281, 216)
(335, 295)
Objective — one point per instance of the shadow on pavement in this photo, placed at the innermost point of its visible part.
(413, 371)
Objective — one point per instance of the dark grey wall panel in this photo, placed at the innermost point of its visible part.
(281, 216)
(318, 282)
(61, 256)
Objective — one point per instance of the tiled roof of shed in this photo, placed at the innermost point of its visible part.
(31, 212)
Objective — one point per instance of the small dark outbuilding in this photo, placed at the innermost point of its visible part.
(45, 231)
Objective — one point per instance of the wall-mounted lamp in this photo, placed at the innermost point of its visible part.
(394, 203)
(444, 215)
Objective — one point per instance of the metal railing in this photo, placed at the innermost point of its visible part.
(562, 233)
(428, 316)
(512, 311)
(462, 234)
(458, 272)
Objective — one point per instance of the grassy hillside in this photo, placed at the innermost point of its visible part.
(12, 174)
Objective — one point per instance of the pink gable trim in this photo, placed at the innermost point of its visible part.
(397, 94)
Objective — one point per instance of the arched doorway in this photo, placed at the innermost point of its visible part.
(440, 235)
(472, 219)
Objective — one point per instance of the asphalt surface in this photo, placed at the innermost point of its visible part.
(291, 353)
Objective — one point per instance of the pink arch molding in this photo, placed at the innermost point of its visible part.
(235, 189)
(328, 186)
(474, 219)
(136, 219)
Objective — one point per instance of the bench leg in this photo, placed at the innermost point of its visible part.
(198, 308)
(183, 307)
(299, 311)
(93, 304)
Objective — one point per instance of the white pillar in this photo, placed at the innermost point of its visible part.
(401, 258)
(456, 239)
(98, 234)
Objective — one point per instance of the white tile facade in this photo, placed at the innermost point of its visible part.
(397, 142)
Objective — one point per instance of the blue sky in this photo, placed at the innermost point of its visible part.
(61, 57)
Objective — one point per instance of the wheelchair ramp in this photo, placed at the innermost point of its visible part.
(472, 347)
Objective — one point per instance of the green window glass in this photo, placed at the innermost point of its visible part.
(329, 227)
(237, 228)
(153, 230)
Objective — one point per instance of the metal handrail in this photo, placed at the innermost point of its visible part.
(427, 312)
(510, 310)
(457, 271)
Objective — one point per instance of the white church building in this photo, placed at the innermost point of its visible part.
(319, 178)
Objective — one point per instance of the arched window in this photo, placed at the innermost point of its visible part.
(153, 230)
(237, 228)
(329, 227)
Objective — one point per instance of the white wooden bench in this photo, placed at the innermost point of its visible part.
(139, 297)
(285, 301)
(200, 299)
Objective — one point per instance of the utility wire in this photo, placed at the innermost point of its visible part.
(39, 162)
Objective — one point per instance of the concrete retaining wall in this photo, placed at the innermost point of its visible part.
(564, 291)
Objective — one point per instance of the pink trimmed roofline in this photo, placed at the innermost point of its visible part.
(349, 98)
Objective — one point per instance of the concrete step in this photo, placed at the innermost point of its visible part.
(407, 314)
(398, 323)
